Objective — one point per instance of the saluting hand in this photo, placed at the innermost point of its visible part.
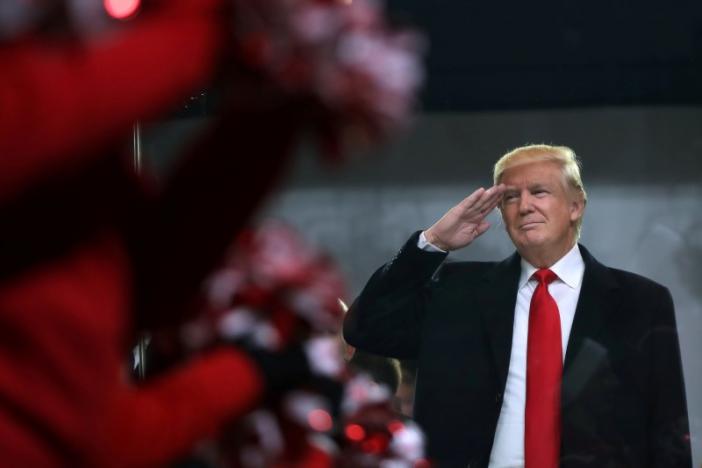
(463, 223)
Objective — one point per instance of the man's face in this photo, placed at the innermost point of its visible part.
(538, 209)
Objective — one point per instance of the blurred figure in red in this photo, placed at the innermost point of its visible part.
(90, 253)
(83, 242)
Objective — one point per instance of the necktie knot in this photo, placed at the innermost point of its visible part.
(544, 276)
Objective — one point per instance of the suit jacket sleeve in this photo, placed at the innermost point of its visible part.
(386, 318)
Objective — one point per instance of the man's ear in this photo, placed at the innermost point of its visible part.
(577, 207)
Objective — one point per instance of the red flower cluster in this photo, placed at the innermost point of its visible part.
(373, 434)
(342, 53)
(273, 292)
(273, 289)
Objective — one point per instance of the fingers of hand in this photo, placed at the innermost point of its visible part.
(480, 228)
(483, 226)
(485, 202)
(471, 199)
(493, 196)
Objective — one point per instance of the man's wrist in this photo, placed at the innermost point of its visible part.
(428, 242)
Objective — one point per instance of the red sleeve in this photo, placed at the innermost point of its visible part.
(61, 102)
(208, 200)
(151, 425)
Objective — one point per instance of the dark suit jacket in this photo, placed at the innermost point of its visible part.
(623, 399)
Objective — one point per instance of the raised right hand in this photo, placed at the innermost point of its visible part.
(463, 223)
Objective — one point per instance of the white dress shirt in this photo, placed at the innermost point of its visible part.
(508, 445)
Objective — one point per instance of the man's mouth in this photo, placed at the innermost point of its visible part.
(530, 225)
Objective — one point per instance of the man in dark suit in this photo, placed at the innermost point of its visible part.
(547, 358)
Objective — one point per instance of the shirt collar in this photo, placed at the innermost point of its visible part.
(569, 269)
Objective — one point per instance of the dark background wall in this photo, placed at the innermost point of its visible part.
(552, 53)
(506, 54)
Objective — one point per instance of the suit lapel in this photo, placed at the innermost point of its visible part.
(499, 300)
(597, 300)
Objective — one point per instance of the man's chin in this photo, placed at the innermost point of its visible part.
(529, 240)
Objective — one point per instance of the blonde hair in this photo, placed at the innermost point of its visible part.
(564, 156)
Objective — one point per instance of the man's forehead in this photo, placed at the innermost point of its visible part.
(541, 169)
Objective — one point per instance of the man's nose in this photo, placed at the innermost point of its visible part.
(525, 203)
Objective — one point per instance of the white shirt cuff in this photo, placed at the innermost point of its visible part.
(424, 244)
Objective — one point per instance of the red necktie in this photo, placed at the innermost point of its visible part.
(542, 436)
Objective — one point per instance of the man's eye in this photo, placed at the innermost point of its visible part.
(510, 197)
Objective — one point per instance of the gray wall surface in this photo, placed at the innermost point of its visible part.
(653, 231)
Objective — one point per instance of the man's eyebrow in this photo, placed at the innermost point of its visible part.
(538, 185)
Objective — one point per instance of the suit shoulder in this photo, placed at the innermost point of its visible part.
(637, 282)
